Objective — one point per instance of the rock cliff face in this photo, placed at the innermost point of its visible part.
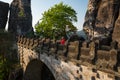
(20, 20)
(116, 32)
(4, 7)
(101, 18)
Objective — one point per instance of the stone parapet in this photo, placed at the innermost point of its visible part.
(88, 53)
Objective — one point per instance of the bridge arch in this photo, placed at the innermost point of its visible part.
(62, 68)
(37, 70)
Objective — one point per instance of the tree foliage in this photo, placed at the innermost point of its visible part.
(54, 21)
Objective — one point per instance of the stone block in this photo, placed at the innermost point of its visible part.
(73, 50)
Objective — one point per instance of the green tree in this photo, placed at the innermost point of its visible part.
(54, 21)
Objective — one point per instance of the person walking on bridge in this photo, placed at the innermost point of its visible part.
(62, 41)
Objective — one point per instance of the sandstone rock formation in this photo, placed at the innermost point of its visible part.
(101, 17)
(20, 20)
(3, 14)
(116, 32)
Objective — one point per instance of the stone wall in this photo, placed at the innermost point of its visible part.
(4, 7)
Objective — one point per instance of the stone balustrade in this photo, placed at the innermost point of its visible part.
(106, 59)
(100, 56)
(87, 53)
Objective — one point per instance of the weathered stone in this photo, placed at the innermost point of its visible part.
(59, 69)
(53, 47)
(73, 50)
(116, 32)
(91, 17)
(113, 59)
(102, 58)
(46, 45)
(106, 59)
(61, 49)
(88, 54)
(20, 20)
(4, 7)
(100, 18)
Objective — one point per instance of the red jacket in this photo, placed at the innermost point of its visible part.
(62, 41)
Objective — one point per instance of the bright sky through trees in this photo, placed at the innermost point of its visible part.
(39, 6)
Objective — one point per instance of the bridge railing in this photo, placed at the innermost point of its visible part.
(101, 56)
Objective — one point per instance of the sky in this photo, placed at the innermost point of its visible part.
(39, 6)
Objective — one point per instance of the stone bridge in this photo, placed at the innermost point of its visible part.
(45, 59)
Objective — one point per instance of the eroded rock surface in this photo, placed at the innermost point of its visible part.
(116, 32)
(4, 7)
(101, 17)
(20, 20)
